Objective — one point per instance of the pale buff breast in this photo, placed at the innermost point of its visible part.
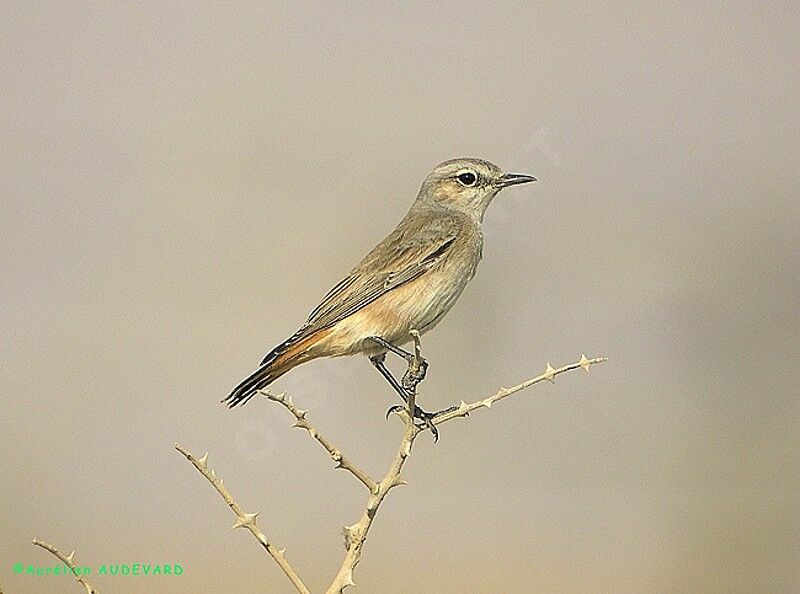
(419, 304)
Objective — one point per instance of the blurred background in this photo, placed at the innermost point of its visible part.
(182, 182)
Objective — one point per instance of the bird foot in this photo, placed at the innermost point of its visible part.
(417, 369)
(422, 418)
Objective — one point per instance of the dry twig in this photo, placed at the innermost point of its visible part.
(245, 520)
(356, 534)
(336, 454)
(68, 561)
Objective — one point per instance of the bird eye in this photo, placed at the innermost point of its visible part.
(467, 178)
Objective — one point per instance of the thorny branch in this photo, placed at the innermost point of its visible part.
(67, 560)
(336, 454)
(245, 520)
(356, 534)
(549, 374)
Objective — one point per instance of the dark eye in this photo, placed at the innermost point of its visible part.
(467, 178)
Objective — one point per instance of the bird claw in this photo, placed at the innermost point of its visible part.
(428, 419)
(395, 409)
(427, 422)
(422, 419)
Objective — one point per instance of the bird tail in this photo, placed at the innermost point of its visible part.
(287, 355)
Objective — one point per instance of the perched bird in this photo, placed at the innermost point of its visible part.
(410, 280)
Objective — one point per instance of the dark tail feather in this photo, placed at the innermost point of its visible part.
(284, 346)
(274, 365)
(258, 380)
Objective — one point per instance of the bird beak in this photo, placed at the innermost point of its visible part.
(512, 179)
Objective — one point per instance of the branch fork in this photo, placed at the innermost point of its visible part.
(356, 534)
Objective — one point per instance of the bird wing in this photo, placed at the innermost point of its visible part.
(390, 265)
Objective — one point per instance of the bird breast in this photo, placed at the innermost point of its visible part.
(419, 304)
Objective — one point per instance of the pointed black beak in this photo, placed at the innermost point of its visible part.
(512, 179)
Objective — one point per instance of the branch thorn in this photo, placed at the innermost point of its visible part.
(549, 373)
(245, 520)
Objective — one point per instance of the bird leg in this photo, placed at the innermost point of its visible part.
(417, 368)
(417, 365)
(394, 349)
(415, 373)
(378, 362)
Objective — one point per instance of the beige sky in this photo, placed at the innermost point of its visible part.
(180, 186)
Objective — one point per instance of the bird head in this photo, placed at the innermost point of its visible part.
(468, 185)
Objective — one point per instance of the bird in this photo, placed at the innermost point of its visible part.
(407, 283)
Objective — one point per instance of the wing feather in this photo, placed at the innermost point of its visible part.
(378, 274)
